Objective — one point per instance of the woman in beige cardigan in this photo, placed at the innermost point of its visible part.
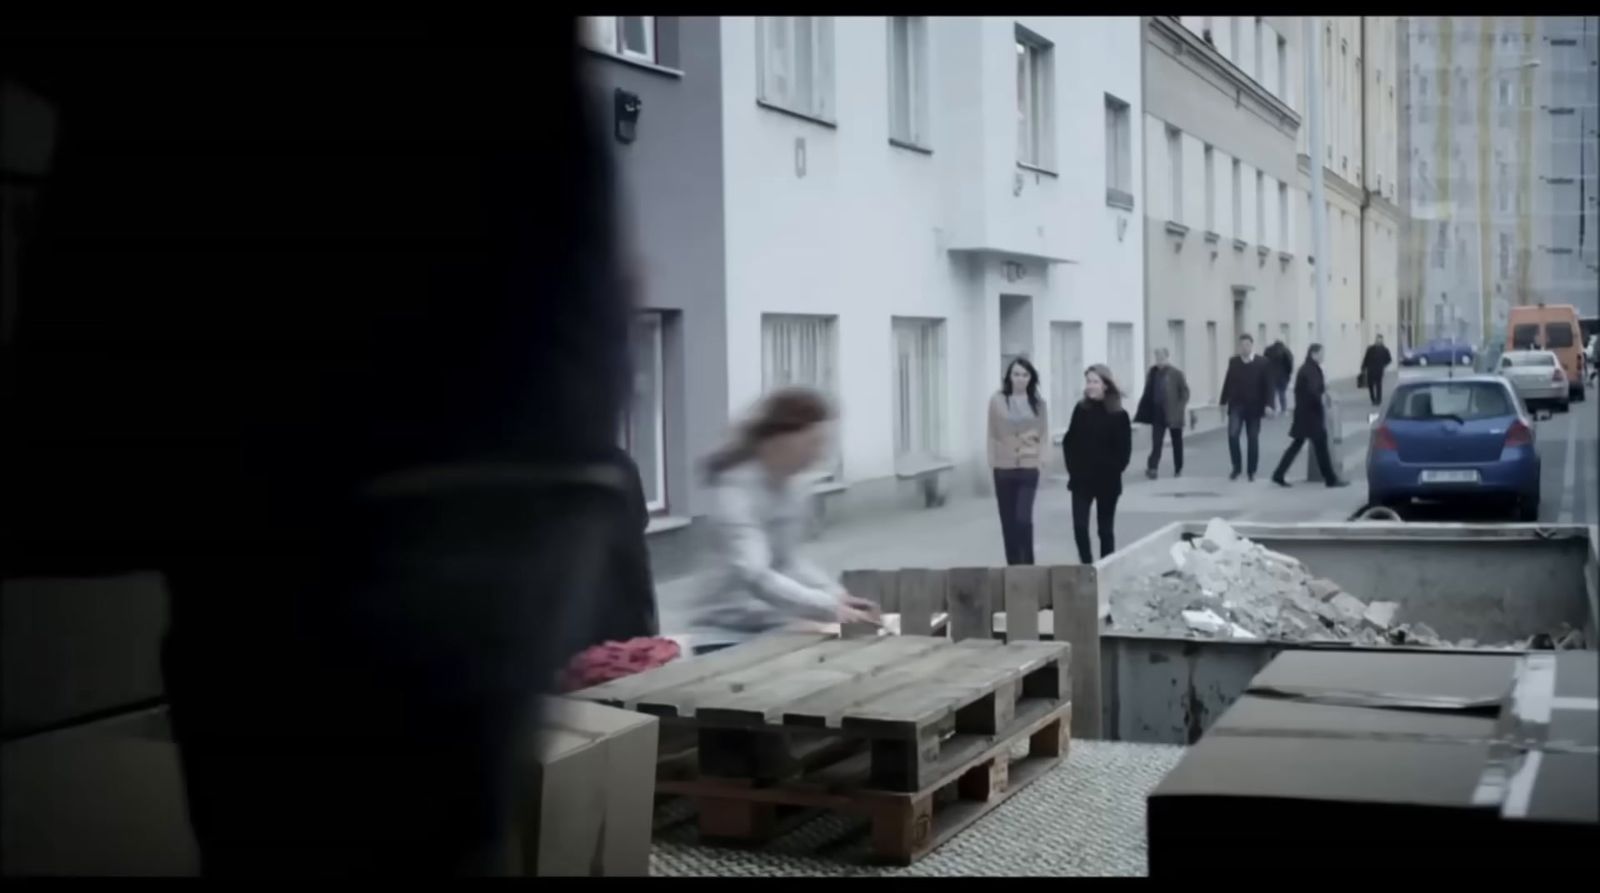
(1018, 426)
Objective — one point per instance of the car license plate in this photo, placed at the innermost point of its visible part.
(1450, 477)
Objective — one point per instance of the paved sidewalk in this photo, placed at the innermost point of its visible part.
(966, 532)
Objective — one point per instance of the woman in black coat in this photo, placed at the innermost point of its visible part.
(1310, 421)
(1098, 445)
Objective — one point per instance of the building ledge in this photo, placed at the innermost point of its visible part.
(1116, 198)
(1033, 168)
(1022, 255)
(828, 488)
(1285, 256)
(1262, 251)
(910, 147)
(652, 67)
(666, 524)
(1177, 229)
(917, 468)
(1187, 43)
(1240, 244)
(783, 110)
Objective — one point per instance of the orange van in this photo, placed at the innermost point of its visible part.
(1552, 327)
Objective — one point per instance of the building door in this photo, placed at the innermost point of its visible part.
(1016, 329)
(1239, 330)
(1119, 354)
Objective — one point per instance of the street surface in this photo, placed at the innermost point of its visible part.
(966, 532)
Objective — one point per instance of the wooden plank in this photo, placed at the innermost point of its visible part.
(1027, 588)
(972, 594)
(922, 594)
(682, 700)
(826, 708)
(1075, 604)
(871, 586)
(763, 700)
(901, 712)
(627, 691)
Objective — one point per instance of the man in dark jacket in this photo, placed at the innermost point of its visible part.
(1282, 360)
(1247, 394)
(318, 359)
(1373, 364)
(1164, 406)
(1310, 421)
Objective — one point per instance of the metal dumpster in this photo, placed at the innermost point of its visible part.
(1491, 583)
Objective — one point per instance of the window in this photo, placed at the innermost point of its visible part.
(1175, 166)
(1213, 360)
(919, 389)
(644, 423)
(1035, 65)
(1283, 69)
(1440, 243)
(908, 79)
(1238, 201)
(1283, 216)
(800, 350)
(1261, 209)
(1119, 354)
(1066, 359)
(1258, 32)
(1211, 190)
(795, 64)
(632, 37)
(1176, 344)
(1234, 43)
(1505, 255)
(1119, 152)
(1466, 401)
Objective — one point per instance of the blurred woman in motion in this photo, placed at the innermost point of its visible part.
(1098, 445)
(762, 582)
(1018, 425)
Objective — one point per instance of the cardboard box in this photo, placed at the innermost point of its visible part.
(1410, 759)
(590, 803)
(103, 799)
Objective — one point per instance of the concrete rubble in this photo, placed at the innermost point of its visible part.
(1224, 586)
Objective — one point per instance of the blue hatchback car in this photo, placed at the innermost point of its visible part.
(1439, 352)
(1458, 439)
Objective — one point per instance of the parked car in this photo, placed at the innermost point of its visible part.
(1465, 439)
(1439, 352)
(1552, 327)
(1537, 377)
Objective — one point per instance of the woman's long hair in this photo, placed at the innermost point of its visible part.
(782, 412)
(1113, 394)
(1033, 382)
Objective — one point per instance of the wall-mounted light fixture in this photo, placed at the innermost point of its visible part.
(626, 108)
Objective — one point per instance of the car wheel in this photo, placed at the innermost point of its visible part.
(1528, 510)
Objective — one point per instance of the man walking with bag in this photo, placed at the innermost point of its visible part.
(1373, 364)
(1164, 406)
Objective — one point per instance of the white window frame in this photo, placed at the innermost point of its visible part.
(607, 34)
(908, 81)
(650, 325)
(1237, 182)
(1283, 217)
(1119, 147)
(1283, 69)
(1035, 100)
(1261, 208)
(919, 438)
(1210, 161)
(780, 64)
(826, 363)
(1175, 172)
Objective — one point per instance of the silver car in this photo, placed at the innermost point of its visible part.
(1537, 378)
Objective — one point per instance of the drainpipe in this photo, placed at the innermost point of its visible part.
(1311, 30)
(1366, 194)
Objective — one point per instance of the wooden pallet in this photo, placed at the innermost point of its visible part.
(904, 826)
(881, 722)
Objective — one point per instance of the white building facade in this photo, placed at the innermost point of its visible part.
(912, 201)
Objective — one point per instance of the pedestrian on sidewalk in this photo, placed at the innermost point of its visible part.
(1373, 364)
(1098, 445)
(1282, 360)
(1164, 406)
(1310, 421)
(1018, 425)
(1247, 394)
(759, 506)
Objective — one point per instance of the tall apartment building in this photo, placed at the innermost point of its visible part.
(1500, 151)
(887, 208)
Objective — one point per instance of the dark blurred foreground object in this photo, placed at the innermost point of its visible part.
(326, 324)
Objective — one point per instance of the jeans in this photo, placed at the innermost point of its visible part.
(1251, 426)
(1319, 447)
(1283, 397)
(1014, 489)
(1105, 506)
(1375, 387)
(1158, 435)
